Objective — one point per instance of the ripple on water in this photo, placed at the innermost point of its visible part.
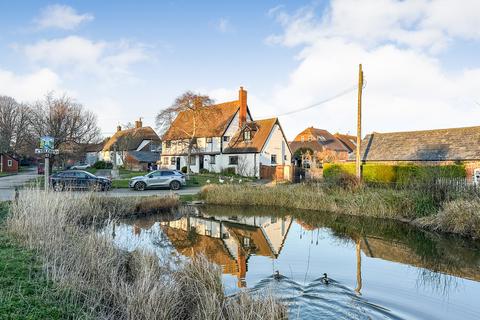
(317, 300)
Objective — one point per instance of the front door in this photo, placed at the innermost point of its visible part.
(178, 163)
(200, 159)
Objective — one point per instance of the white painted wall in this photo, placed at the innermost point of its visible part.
(276, 144)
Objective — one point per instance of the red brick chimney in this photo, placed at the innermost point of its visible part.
(242, 98)
(138, 123)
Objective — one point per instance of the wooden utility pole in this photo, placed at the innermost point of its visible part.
(358, 168)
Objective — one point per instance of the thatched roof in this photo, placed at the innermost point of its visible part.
(429, 145)
(130, 139)
(260, 131)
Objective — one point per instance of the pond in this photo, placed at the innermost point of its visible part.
(376, 269)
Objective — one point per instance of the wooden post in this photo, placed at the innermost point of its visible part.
(358, 289)
(358, 168)
(47, 171)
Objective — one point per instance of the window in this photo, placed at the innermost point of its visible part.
(247, 135)
(285, 157)
(303, 139)
(321, 138)
(309, 138)
(173, 160)
(233, 160)
(273, 158)
(166, 173)
(193, 160)
(168, 144)
(9, 163)
(246, 242)
(209, 140)
(226, 138)
(212, 159)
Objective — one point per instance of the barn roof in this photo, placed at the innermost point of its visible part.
(428, 145)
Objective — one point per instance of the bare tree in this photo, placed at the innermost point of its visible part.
(14, 126)
(192, 104)
(65, 120)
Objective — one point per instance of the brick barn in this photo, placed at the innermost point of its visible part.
(428, 147)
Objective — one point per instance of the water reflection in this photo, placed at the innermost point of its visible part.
(374, 266)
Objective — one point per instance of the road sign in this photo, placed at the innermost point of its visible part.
(47, 143)
(47, 151)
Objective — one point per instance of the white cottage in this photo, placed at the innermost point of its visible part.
(226, 137)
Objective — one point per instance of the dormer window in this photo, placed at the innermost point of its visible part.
(309, 138)
(321, 138)
(247, 135)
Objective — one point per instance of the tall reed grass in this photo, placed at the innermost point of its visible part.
(114, 284)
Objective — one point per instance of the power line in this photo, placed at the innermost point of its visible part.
(338, 95)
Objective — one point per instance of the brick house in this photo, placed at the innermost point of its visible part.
(8, 164)
(428, 147)
(226, 137)
(324, 145)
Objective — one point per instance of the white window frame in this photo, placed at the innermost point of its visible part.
(212, 159)
(273, 158)
(230, 158)
(9, 163)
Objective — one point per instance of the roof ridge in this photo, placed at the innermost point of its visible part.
(428, 130)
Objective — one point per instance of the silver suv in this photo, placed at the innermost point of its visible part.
(156, 179)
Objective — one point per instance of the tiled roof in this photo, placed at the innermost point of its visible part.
(260, 131)
(312, 145)
(347, 140)
(212, 121)
(130, 139)
(430, 145)
(330, 142)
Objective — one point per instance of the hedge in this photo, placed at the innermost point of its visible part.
(402, 174)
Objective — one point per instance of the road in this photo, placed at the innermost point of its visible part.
(8, 184)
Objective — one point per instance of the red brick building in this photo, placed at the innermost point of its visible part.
(8, 164)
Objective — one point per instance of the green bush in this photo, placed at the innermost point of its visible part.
(203, 171)
(184, 169)
(102, 165)
(404, 174)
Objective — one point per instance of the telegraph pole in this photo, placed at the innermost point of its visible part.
(358, 168)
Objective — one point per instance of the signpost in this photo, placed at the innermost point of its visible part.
(47, 149)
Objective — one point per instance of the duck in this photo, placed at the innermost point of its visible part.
(240, 181)
(277, 275)
(231, 179)
(208, 181)
(221, 180)
(324, 279)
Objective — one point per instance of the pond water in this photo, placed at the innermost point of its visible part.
(376, 269)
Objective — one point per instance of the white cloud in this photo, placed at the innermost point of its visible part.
(397, 41)
(223, 25)
(28, 87)
(78, 54)
(62, 17)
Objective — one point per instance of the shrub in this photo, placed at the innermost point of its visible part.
(102, 165)
(230, 171)
(345, 181)
(405, 174)
(203, 171)
(184, 169)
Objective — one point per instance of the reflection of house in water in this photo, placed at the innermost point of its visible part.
(229, 241)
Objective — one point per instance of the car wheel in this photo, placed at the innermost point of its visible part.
(97, 187)
(58, 187)
(140, 186)
(174, 185)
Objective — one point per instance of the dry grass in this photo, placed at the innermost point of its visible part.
(457, 216)
(114, 284)
(380, 203)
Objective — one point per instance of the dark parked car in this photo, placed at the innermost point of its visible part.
(79, 180)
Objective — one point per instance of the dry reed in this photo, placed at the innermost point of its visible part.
(115, 284)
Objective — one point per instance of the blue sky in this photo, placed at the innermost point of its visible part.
(128, 59)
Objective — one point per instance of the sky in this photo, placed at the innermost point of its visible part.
(129, 59)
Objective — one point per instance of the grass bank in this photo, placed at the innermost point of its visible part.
(437, 209)
(25, 291)
(61, 229)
